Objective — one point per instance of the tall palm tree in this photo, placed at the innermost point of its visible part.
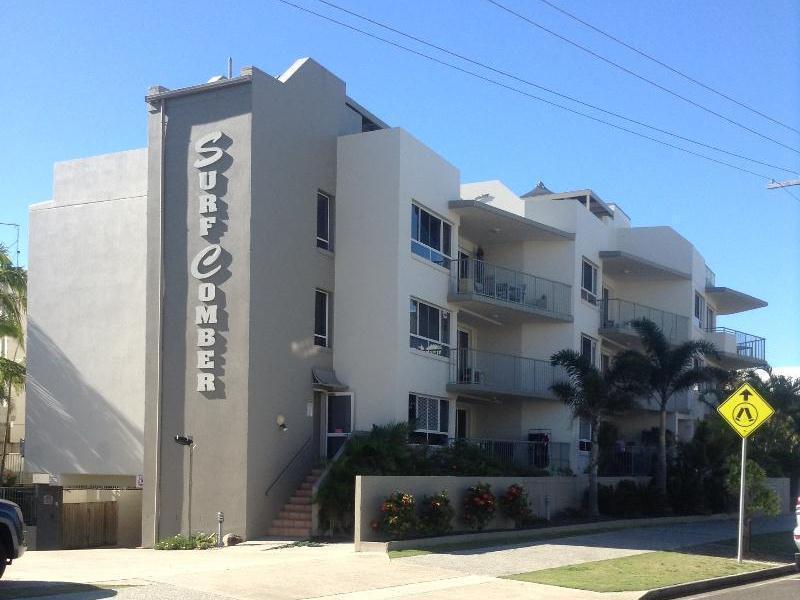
(668, 370)
(13, 301)
(594, 396)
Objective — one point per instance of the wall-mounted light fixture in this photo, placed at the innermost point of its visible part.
(281, 421)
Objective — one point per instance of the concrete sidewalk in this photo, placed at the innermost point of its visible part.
(257, 570)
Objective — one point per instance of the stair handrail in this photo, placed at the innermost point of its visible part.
(320, 480)
(289, 464)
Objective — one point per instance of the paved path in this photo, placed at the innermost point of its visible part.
(508, 560)
(259, 570)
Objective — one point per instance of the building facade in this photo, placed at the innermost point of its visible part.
(280, 269)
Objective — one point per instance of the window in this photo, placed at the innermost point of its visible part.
(584, 435)
(589, 348)
(429, 419)
(699, 307)
(589, 282)
(323, 221)
(710, 324)
(430, 328)
(321, 330)
(430, 236)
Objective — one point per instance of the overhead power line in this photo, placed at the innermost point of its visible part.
(666, 66)
(637, 76)
(552, 91)
(519, 91)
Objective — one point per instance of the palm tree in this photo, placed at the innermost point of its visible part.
(666, 370)
(594, 396)
(13, 300)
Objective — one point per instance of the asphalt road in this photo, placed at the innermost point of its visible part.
(787, 588)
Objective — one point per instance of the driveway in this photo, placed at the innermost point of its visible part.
(271, 570)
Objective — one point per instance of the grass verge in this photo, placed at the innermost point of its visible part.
(540, 536)
(639, 572)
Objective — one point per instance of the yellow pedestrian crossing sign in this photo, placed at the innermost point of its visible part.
(745, 410)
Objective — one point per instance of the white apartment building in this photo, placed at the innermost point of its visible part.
(280, 269)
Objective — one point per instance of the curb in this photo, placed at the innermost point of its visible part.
(512, 536)
(718, 583)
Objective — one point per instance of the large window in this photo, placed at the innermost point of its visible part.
(584, 435)
(323, 221)
(589, 282)
(430, 328)
(430, 236)
(321, 317)
(429, 419)
(589, 348)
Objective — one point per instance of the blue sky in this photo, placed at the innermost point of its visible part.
(75, 73)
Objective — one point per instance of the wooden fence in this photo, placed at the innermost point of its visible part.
(89, 525)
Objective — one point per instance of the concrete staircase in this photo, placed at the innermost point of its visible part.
(294, 520)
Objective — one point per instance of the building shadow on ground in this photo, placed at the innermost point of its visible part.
(42, 589)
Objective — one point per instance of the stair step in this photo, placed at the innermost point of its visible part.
(306, 485)
(303, 492)
(312, 479)
(317, 472)
(300, 500)
(296, 509)
(290, 532)
(297, 523)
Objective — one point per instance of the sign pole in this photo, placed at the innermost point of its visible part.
(741, 500)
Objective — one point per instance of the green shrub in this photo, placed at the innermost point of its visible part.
(514, 505)
(398, 519)
(479, 506)
(196, 541)
(436, 515)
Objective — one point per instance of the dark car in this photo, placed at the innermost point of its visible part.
(12, 534)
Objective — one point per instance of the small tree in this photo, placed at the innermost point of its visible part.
(758, 498)
(667, 370)
(594, 396)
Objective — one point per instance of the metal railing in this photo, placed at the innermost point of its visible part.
(14, 462)
(25, 497)
(504, 372)
(747, 345)
(551, 456)
(618, 314)
(632, 461)
(472, 276)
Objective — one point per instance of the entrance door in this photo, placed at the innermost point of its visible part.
(462, 423)
(464, 358)
(340, 421)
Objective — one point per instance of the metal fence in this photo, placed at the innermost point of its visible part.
(634, 461)
(618, 314)
(471, 276)
(747, 345)
(551, 456)
(25, 497)
(504, 372)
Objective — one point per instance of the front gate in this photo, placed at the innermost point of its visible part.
(89, 525)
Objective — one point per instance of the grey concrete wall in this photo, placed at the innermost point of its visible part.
(294, 156)
(559, 492)
(216, 421)
(85, 342)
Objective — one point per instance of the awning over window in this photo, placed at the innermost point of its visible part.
(325, 379)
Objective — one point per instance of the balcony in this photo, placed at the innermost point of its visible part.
(616, 316)
(506, 295)
(550, 456)
(738, 350)
(679, 402)
(490, 375)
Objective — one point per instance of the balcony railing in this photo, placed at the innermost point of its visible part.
(504, 373)
(711, 278)
(471, 276)
(631, 461)
(550, 456)
(747, 345)
(618, 314)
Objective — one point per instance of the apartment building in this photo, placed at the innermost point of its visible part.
(279, 268)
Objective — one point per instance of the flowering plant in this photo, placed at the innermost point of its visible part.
(398, 517)
(436, 514)
(479, 506)
(514, 505)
